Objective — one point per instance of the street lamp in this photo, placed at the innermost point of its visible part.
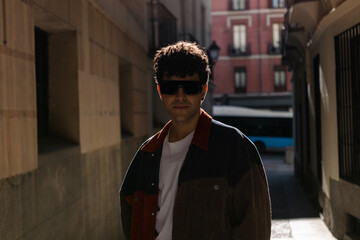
(214, 50)
(213, 54)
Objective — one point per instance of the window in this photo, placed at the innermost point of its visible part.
(277, 3)
(347, 57)
(126, 100)
(239, 37)
(203, 25)
(240, 79)
(162, 24)
(354, 226)
(239, 46)
(276, 30)
(194, 17)
(42, 82)
(275, 46)
(239, 4)
(57, 100)
(279, 79)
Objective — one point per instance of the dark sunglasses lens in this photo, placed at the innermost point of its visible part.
(189, 87)
(168, 88)
(192, 88)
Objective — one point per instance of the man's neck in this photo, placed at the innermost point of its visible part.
(180, 130)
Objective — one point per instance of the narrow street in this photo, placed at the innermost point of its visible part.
(294, 217)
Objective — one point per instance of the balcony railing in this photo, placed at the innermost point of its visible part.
(241, 6)
(274, 50)
(235, 51)
(162, 25)
(188, 37)
(347, 49)
(277, 3)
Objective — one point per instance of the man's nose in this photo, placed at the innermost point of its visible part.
(180, 93)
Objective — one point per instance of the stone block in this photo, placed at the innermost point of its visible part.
(28, 202)
(64, 224)
(4, 169)
(57, 185)
(10, 214)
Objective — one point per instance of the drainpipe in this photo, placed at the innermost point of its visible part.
(4, 21)
(155, 23)
(183, 22)
(259, 47)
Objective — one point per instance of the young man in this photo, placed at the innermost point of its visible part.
(196, 178)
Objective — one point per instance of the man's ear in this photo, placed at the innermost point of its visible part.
(204, 91)
(158, 90)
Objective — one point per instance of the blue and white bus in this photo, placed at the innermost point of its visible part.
(268, 130)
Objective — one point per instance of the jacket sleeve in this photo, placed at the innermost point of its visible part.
(126, 218)
(252, 202)
(126, 192)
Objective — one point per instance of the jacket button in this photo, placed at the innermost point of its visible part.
(152, 154)
(152, 184)
(152, 214)
(216, 187)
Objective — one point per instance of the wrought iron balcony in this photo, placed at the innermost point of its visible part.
(277, 3)
(290, 3)
(240, 6)
(162, 25)
(274, 50)
(236, 51)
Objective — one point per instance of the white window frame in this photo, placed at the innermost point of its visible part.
(279, 79)
(240, 78)
(278, 3)
(276, 34)
(239, 4)
(239, 37)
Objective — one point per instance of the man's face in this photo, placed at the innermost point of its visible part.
(182, 104)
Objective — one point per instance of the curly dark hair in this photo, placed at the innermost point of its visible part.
(181, 59)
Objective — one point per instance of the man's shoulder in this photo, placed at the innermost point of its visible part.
(156, 141)
(219, 128)
(224, 134)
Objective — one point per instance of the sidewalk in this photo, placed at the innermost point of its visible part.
(294, 217)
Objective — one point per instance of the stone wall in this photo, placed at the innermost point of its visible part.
(76, 101)
(337, 197)
(65, 184)
(69, 196)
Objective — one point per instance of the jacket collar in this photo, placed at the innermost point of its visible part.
(200, 138)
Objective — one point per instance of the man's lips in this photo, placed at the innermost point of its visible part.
(180, 106)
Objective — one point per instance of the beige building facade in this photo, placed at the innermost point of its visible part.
(77, 99)
(323, 50)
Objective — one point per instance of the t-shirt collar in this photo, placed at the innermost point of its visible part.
(200, 139)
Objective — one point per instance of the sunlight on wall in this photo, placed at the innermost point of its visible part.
(324, 92)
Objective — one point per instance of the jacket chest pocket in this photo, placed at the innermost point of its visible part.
(209, 198)
(200, 210)
(211, 186)
(137, 199)
(203, 200)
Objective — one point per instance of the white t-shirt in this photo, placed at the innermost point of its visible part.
(172, 158)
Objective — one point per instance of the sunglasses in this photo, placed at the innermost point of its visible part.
(172, 87)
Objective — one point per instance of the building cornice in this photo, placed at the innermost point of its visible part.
(250, 11)
(257, 56)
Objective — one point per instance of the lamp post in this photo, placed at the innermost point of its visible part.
(214, 50)
(213, 55)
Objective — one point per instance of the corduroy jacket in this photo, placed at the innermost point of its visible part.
(222, 188)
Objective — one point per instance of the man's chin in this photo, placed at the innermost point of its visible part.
(179, 118)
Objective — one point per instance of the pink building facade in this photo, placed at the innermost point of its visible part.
(249, 71)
